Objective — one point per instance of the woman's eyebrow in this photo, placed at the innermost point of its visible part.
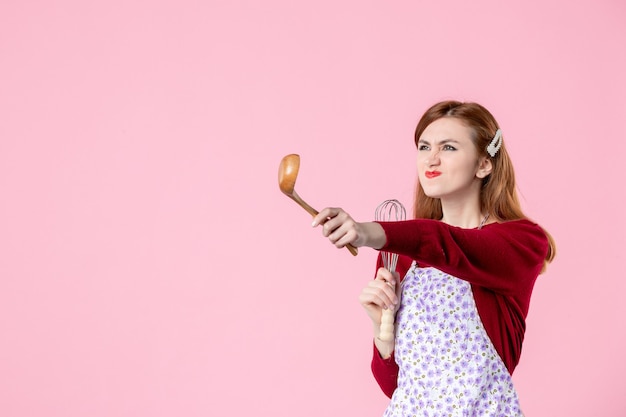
(442, 142)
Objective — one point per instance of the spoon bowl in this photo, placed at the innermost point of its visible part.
(287, 175)
(288, 172)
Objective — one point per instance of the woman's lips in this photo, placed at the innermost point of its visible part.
(432, 174)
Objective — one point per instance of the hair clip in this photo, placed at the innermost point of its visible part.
(495, 144)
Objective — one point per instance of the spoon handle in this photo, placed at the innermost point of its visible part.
(295, 197)
(353, 250)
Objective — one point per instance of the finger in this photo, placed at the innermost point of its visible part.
(342, 235)
(381, 290)
(376, 297)
(385, 275)
(346, 239)
(390, 289)
(396, 277)
(330, 229)
(392, 295)
(341, 222)
(323, 216)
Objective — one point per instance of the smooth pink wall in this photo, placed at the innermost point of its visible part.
(149, 265)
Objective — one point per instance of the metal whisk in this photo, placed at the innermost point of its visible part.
(389, 210)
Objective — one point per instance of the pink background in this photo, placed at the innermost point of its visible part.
(149, 264)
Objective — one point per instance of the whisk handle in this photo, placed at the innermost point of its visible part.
(387, 324)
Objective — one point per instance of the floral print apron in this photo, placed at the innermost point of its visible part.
(448, 365)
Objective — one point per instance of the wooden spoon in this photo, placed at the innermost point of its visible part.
(287, 174)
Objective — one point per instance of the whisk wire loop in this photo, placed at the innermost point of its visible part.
(390, 210)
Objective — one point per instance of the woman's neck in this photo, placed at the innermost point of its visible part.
(464, 214)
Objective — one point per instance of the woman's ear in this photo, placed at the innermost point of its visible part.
(484, 167)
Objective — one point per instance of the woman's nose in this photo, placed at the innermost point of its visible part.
(432, 159)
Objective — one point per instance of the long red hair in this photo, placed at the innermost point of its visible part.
(498, 195)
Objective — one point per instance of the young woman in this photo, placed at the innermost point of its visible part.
(469, 260)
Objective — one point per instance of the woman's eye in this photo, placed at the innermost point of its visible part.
(449, 148)
(423, 148)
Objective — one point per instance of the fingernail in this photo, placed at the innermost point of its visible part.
(313, 224)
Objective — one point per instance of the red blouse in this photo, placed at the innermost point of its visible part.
(501, 261)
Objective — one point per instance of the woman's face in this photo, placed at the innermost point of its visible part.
(448, 164)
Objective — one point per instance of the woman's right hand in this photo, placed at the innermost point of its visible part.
(379, 294)
(341, 229)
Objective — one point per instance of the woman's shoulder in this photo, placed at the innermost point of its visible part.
(523, 224)
(524, 229)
